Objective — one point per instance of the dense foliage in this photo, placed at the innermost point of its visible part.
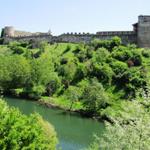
(132, 134)
(18, 131)
(99, 77)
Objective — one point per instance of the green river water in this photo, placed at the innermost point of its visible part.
(73, 131)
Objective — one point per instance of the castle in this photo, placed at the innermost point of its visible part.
(140, 35)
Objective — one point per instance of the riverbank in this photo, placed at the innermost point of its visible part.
(77, 108)
(74, 132)
(54, 103)
(121, 109)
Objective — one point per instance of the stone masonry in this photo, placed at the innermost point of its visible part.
(140, 35)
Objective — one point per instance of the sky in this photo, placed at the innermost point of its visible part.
(62, 16)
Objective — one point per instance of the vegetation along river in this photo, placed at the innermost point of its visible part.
(74, 132)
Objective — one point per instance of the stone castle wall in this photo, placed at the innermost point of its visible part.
(140, 35)
(127, 37)
(143, 35)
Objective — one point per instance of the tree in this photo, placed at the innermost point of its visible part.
(94, 97)
(68, 71)
(122, 53)
(54, 84)
(121, 135)
(14, 72)
(108, 44)
(100, 56)
(73, 94)
(17, 47)
(18, 131)
(42, 68)
(103, 72)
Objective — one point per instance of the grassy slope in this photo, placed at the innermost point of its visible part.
(59, 50)
(118, 107)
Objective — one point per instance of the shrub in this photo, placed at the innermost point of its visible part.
(17, 48)
(119, 68)
(73, 94)
(103, 72)
(96, 43)
(18, 131)
(36, 91)
(108, 44)
(81, 72)
(100, 55)
(53, 85)
(94, 97)
(146, 53)
(133, 134)
(122, 53)
(136, 58)
(68, 72)
(14, 72)
(67, 49)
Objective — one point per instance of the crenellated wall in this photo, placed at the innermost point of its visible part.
(127, 37)
(140, 35)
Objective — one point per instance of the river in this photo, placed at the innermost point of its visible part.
(73, 131)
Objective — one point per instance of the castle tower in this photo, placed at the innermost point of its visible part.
(8, 31)
(143, 31)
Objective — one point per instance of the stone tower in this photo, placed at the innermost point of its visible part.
(143, 31)
(8, 31)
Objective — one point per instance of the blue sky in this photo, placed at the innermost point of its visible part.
(63, 16)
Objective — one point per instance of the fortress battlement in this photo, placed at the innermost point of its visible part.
(140, 35)
(116, 33)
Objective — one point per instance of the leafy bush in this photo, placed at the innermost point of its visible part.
(136, 58)
(73, 94)
(119, 67)
(146, 53)
(108, 44)
(122, 53)
(94, 97)
(18, 131)
(14, 72)
(36, 92)
(103, 72)
(17, 48)
(68, 48)
(133, 134)
(54, 84)
(68, 72)
(100, 55)
(42, 69)
(125, 53)
(80, 73)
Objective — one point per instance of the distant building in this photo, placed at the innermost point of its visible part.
(140, 35)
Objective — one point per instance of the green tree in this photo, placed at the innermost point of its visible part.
(68, 72)
(94, 97)
(108, 44)
(54, 84)
(17, 47)
(42, 68)
(73, 94)
(100, 56)
(103, 72)
(14, 71)
(133, 134)
(18, 131)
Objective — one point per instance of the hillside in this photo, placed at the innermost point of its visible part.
(101, 78)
